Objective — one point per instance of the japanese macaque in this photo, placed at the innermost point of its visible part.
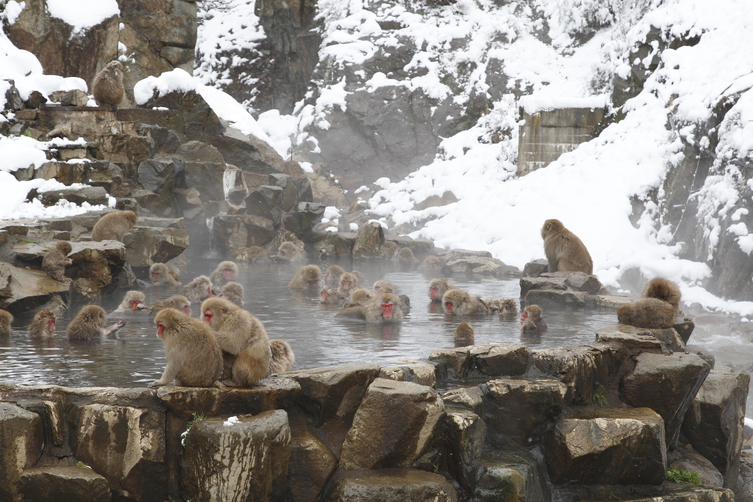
(134, 301)
(464, 335)
(383, 286)
(437, 289)
(289, 252)
(306, 279)
(159, 273)
(5, 319)
(347, 284)
(43, 324)
(332, 277)
(651, 313)
(329, 296)
(531, 321)
(564, 251)
(282, 358)
(251, 254)
(234, 292)
(193, 354)
(242, 336)
(383, 308)
(390, 249)
(107, 86)
(199, 289)
(359, 297)
(56, 259)
(225, 272)
(176, 302)
(405, 258)
(508, 308)
(90, 323)
(663, 289)
(113, 226)
(432, 263)
(459, 302)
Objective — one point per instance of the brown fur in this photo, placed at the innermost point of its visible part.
(56, 259)
(251, 254)
(564, 251)
(306, 279)
(160, 274)
(199, 289)
(458, 302)
(43, 324)
(383, 286)
(508, 307)
(5, 319)
(361, 296)
(464, 335)
(651, 313)
(91, 322)
(177, 302)
(225, 272)
(390, 249)
(132, 296)
(329, 296)
(663, 289)
(437, 289)
(332, 277)
(240, 334)
(107, 87)
(234, 292)
(290, 252)
(531, 321)
(113, 226)
(432, 263)
(282, 358)
(405, 258)
(348, 283)
(377, 310)
(194, 358)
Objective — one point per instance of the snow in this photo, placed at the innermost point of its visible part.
(82, 14)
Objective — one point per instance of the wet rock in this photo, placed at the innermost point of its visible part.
(376, 440)
(455, 363)
(148, 245)
(410, 371)
(478, 262)
(685, 329)
(535, 268)
(634, 339)
(22, 289)
(242, 459)
(389, 484)
(344, 243)
(512, 475)
(306, 216)
(667, 384)
(466, 436)
(21, 440)
(599, 446)
(95, 266)
(311, 465)
(668, 337)
(369, 241)
(497, 359)
(64, 484)
(91, 195)
(240, 231)
(469, 398)
(714, 422)
(556, 298)
(686, 458)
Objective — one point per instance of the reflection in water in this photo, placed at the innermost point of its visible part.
(135, 357)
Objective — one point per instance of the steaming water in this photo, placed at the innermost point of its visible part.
(135, 357)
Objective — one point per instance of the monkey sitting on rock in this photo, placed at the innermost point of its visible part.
(56, 259)
(564, 251)
(108, 88)
(657, 308)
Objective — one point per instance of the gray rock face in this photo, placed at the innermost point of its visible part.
(22, 289)
(21, 439)
(369, 241)
(65, 484)
(514, 475)
(389, 484)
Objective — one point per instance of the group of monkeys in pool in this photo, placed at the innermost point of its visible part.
(229, 346)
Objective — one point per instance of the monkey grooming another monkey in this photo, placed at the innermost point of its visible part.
(282, 358)
(160, 274)
(531, 321)
(90, 323)
(56, 259)
(176, 302)
(437, 289)
(43, 324)
(564, 251)
(650, 313)
(234, 292)
(194, 358)
(383, 286)
(225, 272)
(198, 289)
(113, 226)
(464, 335)
(663, 289)
(108, 86)
(241, 335)
(459, 302)
(5, 319)
(306, 279)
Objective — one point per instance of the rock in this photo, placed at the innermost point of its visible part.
(599, 447)
(667, 384)
(744, 491)
(159, 172)
(369, 241)
(204, 168)
(240, 231)
(64, 484)
(306, 216)
(468, 398)
(535, 268)
(242, 459)
(95, 196)
(96, 265)
(148, 245)
(556, 298)
(21, 440)
(389, 484)
(466, 437)
(686, 458)
(714, 422)
(498, 359)
(262, 200)
(472, 262)
(512, 475)
(199, 120)
(311, 466)
(634, 339)
(376, 440)
(410, 371)
(22, 289)
(455, 363)
(344, 243)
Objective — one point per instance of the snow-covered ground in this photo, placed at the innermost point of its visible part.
(588, 189)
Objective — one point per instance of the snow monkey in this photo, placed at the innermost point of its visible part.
(383, 286)
(306, 279)
(651, 313)
(242, 337)
(663, 289)
(55, 260)
(177, 302)
(282, 358)
(108, 86)
(437, 289)
(5, 319)
(432, 263)
(329, 296)
(508, 307)
(564, 251)
(383, 308)
(113, 226)
(332, 277)
(405, 258)
(199, 289)
(464, 335)
(159, 273)
(531, 321)
(232, 291)
(458, 302)
(390, 249)
(134, 301)
(194, 358)
(290, 252)
(43, 324)
(225, 272)
(347, 284)
(91, 322)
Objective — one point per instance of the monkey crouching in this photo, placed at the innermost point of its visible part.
(282, 358)
(650, 313)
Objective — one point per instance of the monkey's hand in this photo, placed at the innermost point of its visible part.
(121, 323)
(156, 383)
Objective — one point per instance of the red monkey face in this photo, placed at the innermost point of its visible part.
(133, 304)
(387, 310)
(346, 284)
(524, 316)
(155, 276)
(433, 293)
(208, 316)
(448, 307)
(187, 310)
(228, 274)
(209, 291)
(160, 329)
(323, 296)
(51, 324)
(312, 284)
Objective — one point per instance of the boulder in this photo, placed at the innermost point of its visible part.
(305, 217)
(238, 458)
(369, 241)
(454, 363)
(482, 263)
(311, 466)
(23, 289)
(556, 298)
(376, 440)
(240, 231)
(388, 485)
(21, 441)
(344, 243)
(148, 245)
(198, 120)
(64, 484)
(497, 359)
(466, 435)
(96, 265)
(633, 339)
(410, 371)
(467, 398)
(512, 475)
(535, 268)
(94, 196)
(686, 458)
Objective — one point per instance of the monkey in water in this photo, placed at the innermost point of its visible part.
(329, 296)
(306, 279)
(194, 358)
(232, 291)
(242, 337)
(508, 307)
(564, 251)
(282, 358)
(432, 263)
(176, 302)
(383, 308)
(348, 283)
(5, 319)
(531, 321)
(383, 286)
(43, 324)
(113, 226)
(405, 258)
(459, 302)
(90, 323)
(290, 252)
(390, 250)
(332, 277)
(198, 289)
(134, 301)
(225, 272)
(159, 274)
(437, 289)
(108, 88)
(464, 335)
(56, 259)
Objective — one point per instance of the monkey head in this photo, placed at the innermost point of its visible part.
(215, 311)
(534, 311)
(387, 303)
(166, 319)
(326, 293)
